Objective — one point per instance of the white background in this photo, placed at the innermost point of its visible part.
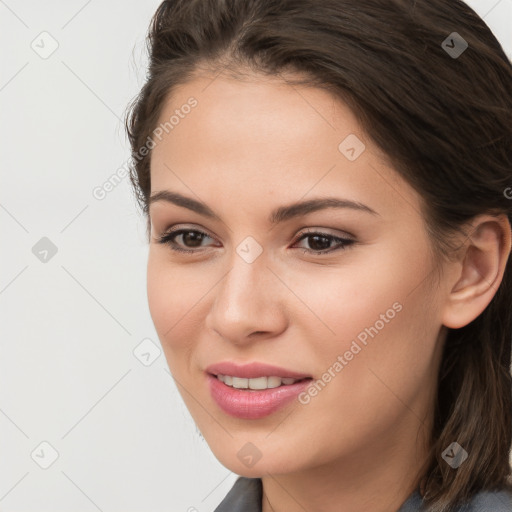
(69, 376)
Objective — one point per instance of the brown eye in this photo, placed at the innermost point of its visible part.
(190, 238)
(320, 243)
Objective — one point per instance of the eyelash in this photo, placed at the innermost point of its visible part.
(168, 239)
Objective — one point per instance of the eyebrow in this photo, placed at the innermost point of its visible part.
(280, 214)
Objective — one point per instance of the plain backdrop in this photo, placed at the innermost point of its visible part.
(90, 418)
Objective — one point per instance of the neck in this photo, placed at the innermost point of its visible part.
(378, 478)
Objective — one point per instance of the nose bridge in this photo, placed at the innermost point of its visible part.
(245, 297)
(240, 290)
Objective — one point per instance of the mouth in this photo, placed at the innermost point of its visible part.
(254, 390)
(257, 383)
(256, 397)
(256, 371)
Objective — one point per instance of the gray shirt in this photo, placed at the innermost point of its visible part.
(246, 495)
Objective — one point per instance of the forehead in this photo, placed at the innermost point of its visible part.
(262, 138)
(230, 110)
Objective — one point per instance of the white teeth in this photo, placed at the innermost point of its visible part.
(256, 383)
(240, 383)
(273, 382)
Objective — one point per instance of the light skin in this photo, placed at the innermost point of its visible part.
(247, 148)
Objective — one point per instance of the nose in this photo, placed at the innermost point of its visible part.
(248, 303)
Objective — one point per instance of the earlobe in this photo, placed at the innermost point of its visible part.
(480, 272)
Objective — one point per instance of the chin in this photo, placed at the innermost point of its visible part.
(244, 459)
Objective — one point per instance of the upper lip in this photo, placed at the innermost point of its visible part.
(253, 370)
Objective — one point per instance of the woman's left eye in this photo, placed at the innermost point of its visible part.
(321, 239)
(194, 238)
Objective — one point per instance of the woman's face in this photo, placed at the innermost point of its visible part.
(357, 317)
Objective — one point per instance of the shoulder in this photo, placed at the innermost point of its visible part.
(244, 496)
(487, 501)
(484, 501)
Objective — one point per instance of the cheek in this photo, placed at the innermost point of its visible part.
(173, 296)
(378, 308)
(386, 322)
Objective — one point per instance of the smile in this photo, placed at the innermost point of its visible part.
(257, 383)
(249, 403)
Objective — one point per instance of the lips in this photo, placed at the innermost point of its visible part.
(253, 404)
(253, 370)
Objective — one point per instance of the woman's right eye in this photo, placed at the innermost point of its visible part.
(195, 240)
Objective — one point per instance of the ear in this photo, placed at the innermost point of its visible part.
(479, 271)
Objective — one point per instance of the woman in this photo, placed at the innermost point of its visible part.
(327, 187)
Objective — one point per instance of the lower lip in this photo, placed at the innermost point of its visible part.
(253, 404)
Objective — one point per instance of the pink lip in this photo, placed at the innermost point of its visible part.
(252, 404)
(252, 370)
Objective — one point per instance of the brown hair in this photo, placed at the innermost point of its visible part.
(444, 121)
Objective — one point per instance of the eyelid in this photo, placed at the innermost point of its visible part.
(181, 227)
(309, 230)
(302, 231)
